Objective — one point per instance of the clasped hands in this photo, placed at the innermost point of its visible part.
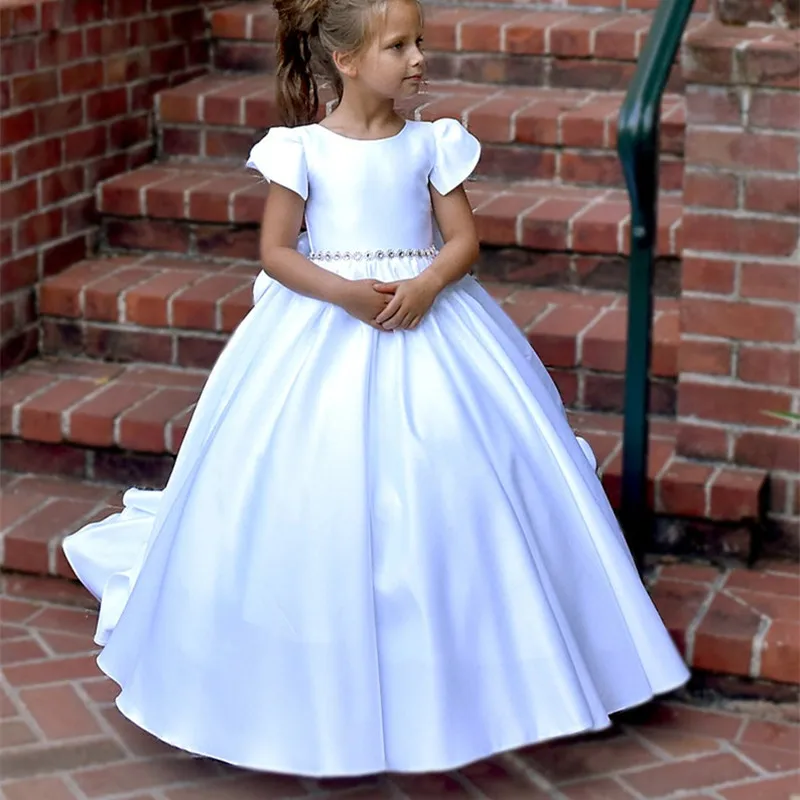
(398, 305)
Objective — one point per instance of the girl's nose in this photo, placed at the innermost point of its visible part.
(417, 57)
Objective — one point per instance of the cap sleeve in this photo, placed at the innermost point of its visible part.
(280, 158)
(456, 156)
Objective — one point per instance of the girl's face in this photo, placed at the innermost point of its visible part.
(392, 63)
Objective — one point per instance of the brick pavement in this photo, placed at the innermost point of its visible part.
(62, 738)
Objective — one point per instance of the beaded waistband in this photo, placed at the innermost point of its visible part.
(370, 255)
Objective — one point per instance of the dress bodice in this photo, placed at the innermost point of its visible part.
(368, 195)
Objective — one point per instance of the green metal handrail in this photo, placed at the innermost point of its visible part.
(638, 148)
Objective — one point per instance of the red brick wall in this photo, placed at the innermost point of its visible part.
(77, 79)
(739, 351)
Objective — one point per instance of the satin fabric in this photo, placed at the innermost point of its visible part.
(376, 551)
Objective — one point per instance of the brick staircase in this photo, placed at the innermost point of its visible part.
(129, 336)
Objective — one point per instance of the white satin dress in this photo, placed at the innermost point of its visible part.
(376, 551)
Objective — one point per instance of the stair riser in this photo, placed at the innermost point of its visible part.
(497, 262)
(581, 389)
(599, 168)
(491, 68)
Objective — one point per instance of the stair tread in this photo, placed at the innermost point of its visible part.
(534, 115)
(536, 215)
(568, 329)
(146, 408)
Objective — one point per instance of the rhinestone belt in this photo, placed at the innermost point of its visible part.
(370, 255)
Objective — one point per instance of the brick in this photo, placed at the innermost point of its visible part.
(548, 225)
(775, 62)
(27, 546)
(742, 151)
(772, 195)
(39, 228)
(128, 345)
(15, 128)
(35, 457)
(705, 357)
(235, 307)
(58, 186)
(40, 418)
(678, 604)
(148, 302)
(741, 234)
(27, 788)
(554, 335)
(85, 144)
(780, 658)
(732, 404)
(53, 118)
(34, 88)
(700, 773)
(143, 428)
(61, 47)
(735, 494)
(708, 275)
(773, 281)
(713, 105)
(123, 195)
(129, 131)
(169, 198)
(195, 307)
(769, 366)
(149, 235)
(101, 300)
(39, 156)
(132, 776)
(80, 78)
(106, 104)
(496, 221)
(598, 229)
(199, 351)
(712, 190)
(19, 200)
(774, 110)
(768, 788)
(682, 489)
(733, 320)
(768, 451)
(59, 712)
(93, 421)
(108, 38)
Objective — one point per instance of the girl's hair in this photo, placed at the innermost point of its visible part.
(309, 32)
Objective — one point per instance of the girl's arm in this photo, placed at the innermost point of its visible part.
(280, 227)
(413, 298)
(461, 246)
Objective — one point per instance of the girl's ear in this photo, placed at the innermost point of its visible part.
(346, 63)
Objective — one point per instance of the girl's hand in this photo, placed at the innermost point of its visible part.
(361, 300)
(412, 300)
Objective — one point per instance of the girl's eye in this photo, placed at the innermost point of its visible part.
(420, 42)
(398, 45)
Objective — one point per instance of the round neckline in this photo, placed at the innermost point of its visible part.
(353, 139)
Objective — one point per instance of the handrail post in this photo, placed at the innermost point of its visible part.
(638, 147)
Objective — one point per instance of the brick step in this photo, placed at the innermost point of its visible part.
(559, 47)
(116, 422)
(531, 232)
(730, 621)
(562, 135)
(179, 312)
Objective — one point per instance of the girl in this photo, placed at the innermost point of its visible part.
(381, 547)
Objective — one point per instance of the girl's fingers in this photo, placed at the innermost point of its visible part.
(390, 310)
(386, 288)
